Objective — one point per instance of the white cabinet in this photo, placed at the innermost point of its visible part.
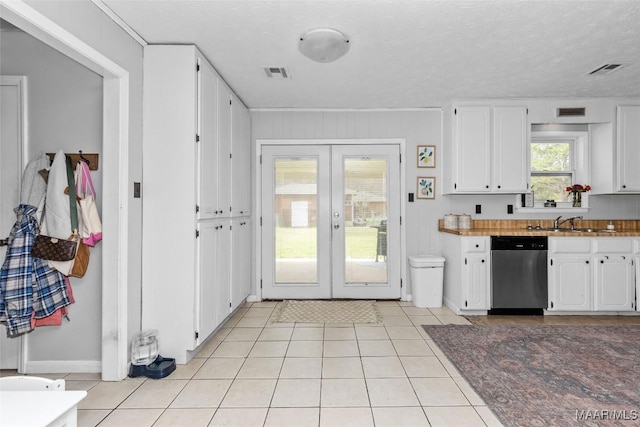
(614, 284)
(241, 260)
(472, 149)
(186, 232)
(510, 149)
(224, 150)
(636, 262)
(591, 274)
(475, 282)
(466, 272)
(241, 159)
(570, 283)
(628, 145)
(489, 149)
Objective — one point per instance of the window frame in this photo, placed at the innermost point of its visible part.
(579, 158)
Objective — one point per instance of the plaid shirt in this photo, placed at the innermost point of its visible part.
(28, 286)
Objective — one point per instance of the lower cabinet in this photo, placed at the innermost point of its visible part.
(475, 282)
(614, 284)
(240, 260)
(599, 278)
(570, 283)
(466, 272)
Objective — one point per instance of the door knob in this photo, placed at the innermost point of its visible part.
(336, 226)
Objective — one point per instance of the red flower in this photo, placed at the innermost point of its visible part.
(578, 188)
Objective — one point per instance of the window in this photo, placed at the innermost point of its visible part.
(559, 158)
(551, 169)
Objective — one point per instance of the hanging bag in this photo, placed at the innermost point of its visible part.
(56, 249)
(91, 229)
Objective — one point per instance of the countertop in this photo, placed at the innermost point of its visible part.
(623, 228)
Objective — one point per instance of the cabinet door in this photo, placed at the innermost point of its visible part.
(475, 282)
(207, 185)
(628, 148)
(240, 160)
(614, 284)
(224, 269)
(240, 261)
(472, 149)
(224, 150)
(207, 282)
(570, 283)
(510, 149)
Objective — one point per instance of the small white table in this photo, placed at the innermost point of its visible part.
(40, 408)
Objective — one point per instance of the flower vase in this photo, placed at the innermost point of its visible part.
(577, 199)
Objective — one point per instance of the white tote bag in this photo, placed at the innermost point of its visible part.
(91, 228)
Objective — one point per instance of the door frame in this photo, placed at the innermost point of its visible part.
(257, 232)
(115, 154)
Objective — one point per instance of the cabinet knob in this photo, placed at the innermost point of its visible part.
(486, 186)
(477, 246)
(499, 186)
(482, 260)
(587, 261)
(624, 186)
(601, 261)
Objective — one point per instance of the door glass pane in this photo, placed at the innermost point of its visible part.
(295, 205)
(365, 220)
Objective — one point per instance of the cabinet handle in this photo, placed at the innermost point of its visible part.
(499, 186)
(587, 261)
(601, 261)
(482, 260)
(486, 186)
(477, 246)
(624, 186)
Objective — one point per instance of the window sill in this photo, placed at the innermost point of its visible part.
(553, 210)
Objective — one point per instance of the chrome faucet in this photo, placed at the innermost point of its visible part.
(557, 223)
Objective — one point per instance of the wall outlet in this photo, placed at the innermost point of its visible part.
(478, 209)
(410, 197)
(136, 190)
(509, 209)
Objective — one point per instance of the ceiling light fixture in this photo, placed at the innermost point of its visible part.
(323, 44)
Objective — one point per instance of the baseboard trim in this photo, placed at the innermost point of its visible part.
(62, 366)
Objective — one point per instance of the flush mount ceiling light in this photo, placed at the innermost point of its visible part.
(323, 44)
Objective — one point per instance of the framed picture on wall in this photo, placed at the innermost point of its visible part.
(426, 187)
(426, 156)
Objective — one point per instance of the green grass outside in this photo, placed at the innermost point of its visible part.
(302, 243)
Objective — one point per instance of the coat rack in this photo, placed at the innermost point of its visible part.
(91, 158)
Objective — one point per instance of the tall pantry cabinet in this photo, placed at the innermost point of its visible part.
(195, 220)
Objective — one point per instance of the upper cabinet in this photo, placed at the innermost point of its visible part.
(628, 145)
(240, 159)
(615, 147)
(488, 149)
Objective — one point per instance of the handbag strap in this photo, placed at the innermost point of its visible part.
(73, 208)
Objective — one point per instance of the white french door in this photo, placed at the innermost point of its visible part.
(331, 221)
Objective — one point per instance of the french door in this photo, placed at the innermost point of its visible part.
(330, 221)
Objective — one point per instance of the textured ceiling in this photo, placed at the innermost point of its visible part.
(405, 54)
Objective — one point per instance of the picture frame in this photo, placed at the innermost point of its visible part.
(426, 187)
(426, 156)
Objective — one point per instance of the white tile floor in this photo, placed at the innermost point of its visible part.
(255, 372)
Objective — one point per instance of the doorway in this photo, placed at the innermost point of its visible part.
(331, 221)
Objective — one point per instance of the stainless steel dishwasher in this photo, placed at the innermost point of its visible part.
(518, 275)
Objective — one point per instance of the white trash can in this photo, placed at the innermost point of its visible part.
(426, 280)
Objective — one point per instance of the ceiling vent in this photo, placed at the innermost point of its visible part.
(605, 69)
(571, 112)
(279, 73)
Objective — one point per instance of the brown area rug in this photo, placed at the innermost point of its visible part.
(549, 375)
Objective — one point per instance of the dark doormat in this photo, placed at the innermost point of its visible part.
(549, 375)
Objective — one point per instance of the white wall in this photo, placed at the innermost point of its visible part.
(87, 22)
(417, 127)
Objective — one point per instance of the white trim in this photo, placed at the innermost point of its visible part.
(21, 83)
(358, 141)
(340, 110)
(116, 175)
(63, 366)
(115, 18)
